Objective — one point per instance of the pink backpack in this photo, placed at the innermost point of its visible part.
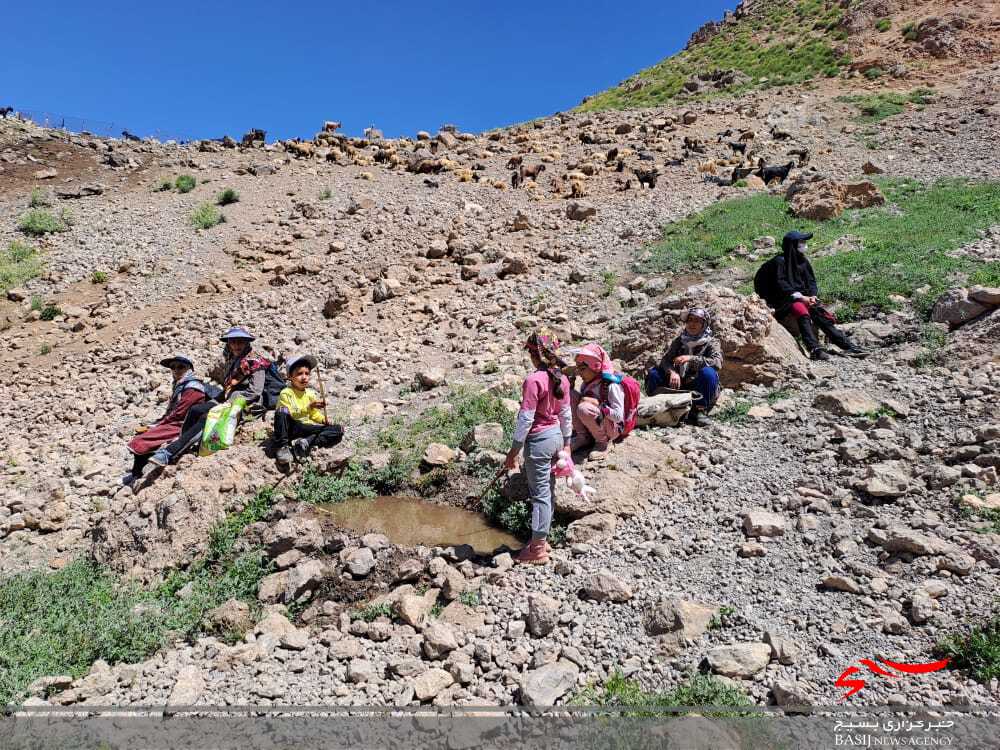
(633, 392)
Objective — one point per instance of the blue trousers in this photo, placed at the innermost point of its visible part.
(706, 382)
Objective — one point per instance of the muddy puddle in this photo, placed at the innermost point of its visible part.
(411, 521)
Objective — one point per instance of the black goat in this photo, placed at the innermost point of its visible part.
(738, 148)
(646, 176)
(775, 173)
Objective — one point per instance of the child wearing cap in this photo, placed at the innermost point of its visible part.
(300, 422)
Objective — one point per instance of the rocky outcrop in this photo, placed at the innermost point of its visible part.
(818, 198)
(756, 348)
(959, 306)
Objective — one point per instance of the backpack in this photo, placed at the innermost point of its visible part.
(632, 393)
(765, 281)
(273, 385)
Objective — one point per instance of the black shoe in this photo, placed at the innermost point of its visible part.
(301, 447)
(819, 355)
(698, 418)
(853, 350)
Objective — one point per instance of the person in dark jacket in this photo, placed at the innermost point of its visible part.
(243, 372)
(188, 393)
(790, 290)
(692, 361)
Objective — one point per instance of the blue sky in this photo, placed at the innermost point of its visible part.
(199, 70)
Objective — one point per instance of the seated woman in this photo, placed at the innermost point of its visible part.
(599, 404)
(788, 285)
(692, 361)
(243, 373)
(188, 393)
(300, 421)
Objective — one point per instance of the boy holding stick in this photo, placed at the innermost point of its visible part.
(300, 419)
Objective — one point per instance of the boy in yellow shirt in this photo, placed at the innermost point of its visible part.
(300, 423)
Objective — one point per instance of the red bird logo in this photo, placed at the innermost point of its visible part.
(855, 685)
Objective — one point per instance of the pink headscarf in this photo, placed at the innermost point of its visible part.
(596, 358)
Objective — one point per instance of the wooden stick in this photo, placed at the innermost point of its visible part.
(500, 472)
(322, 393)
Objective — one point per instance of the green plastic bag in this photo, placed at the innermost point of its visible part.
(220, 426)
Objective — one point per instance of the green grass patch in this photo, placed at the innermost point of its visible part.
(877, 107)
(883, 25)
(39, 199)
(163, 185)
(54, 623)
(227, 197)
(99, 277)
(325, 194)
(700, 690)
(372, 612)
(904, 245)
(609, 280)
(470, 598)
(736, 413)
(38, 222)
(206, 216)
(755, 47)
(976, 650)
(50, 312)
(777, 394)
(18, 263)
(185, 183)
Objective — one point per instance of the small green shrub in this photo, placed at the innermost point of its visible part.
(609, 280)
(45, 349)
(372, 612)
(911, 35)
(700, 690)
(736, 413)
(99, 277)
(36, 303)
(18, 263)
(777, 394)
(185, 183)
(164, 184)
(874, 72)
(470, 598)
(39, 199)
(325, 194)
(50, 312)
(226, 197)
(38, 222)
(206, 216)
(883, 25)
(933, 340)
(977, 650)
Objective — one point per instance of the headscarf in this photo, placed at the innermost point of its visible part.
(693, 342)
(545, 346)
(795, 260)
(596, 358)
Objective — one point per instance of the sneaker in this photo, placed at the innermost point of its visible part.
(819, 355)
(533, 553)
(160, 458)
(284, 455)
(129, 479)
(853, 350)
(301, 447)
(698, 418)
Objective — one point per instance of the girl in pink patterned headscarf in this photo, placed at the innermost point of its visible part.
(599, 404)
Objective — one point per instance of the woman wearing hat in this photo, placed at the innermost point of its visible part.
(788, 285)
(243, 372)
(300, 421)
(188, 392)
(544, 427)
(692, 361)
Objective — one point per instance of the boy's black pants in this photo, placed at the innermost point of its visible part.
(287, 429)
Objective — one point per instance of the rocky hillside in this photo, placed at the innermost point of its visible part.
(776, 43)
(831, 512)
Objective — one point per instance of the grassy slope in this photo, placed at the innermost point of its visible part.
(904, 245)
(784, 42)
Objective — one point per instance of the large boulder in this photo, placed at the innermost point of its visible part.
(545, 685)
(818, 198)
(166, 525)
(756, 348)
(956, 307)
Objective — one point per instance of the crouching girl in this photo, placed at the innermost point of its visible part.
(544, 427)
(599, 404)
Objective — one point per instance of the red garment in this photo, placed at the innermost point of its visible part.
(799, 309)
(169, 425)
